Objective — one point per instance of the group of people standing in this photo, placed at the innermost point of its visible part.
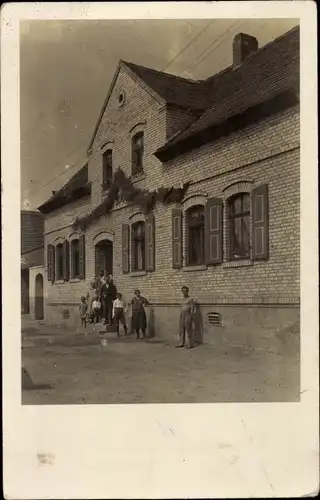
(105, 304)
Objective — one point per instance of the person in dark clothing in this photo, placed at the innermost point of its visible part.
(99, 282)
(139, 319)
(108, 295)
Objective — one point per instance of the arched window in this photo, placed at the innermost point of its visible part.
(138, 246)
(75, 259)
(137, 153)
(195, 235)
(239, 225)
(59, 262)
(107, 171)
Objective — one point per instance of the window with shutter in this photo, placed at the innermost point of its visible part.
(214, 231)
(125, 248)
(82, 257)
(66, 260)
(176, 238)
(150, 243)
(260, 223)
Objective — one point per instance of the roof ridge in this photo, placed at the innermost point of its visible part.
(188, 80)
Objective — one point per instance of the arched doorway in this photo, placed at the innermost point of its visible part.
(39, 313)
(104, 256)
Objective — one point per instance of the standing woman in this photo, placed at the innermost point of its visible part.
(139, 318)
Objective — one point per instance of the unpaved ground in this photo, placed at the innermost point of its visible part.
(69, 369)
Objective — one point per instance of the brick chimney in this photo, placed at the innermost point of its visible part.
(243, 45)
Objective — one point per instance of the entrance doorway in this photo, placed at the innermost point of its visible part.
(25, 291)
(39, 313)
(104, 256)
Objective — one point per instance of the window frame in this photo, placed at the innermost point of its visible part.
(134, 239)
(189, 225)
(73, 274)
(231, 217)
(135, 168)
(58, 268)
(106, 178)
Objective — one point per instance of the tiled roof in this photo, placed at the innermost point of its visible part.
(73, 189)
(268, 72)
(173, 89)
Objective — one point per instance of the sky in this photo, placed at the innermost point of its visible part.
(66, 68)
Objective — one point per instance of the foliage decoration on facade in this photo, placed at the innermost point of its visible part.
(122, 189)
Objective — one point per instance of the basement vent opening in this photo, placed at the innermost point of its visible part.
(214, 319)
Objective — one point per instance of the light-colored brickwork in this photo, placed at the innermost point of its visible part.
(264, 153)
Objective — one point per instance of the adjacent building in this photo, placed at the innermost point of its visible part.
(190, 183)
(32, 262)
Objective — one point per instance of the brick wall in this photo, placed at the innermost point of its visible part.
(267, 152)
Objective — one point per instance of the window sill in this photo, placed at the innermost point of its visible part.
(138, 273)
(59, 282)
(139, 176)
(238, 263)
(202, 267)
(74, 280)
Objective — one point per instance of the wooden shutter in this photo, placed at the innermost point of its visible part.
(82, 257)
(150, 243)
(260, 223)
(214, 231)
(50, 262)
(125, 248)
(176, 238)
(66, 260)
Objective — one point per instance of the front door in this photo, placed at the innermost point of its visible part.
(39, 312)
(104, 256)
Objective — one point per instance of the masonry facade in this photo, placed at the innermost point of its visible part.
(233, 238)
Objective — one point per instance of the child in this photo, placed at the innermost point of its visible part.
(118, 313)
(139, 319)
(96, 309)
(83, 312)
(186, 318)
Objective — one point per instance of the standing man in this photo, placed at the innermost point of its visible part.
(109, 294)
(186, 319)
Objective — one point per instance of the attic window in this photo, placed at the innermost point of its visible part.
(121, 98)
(214, 319)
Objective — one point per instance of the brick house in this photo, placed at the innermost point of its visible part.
(32, 255)
(233, 238)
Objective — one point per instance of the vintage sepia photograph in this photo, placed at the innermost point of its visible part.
(159, 215)
(160, 211)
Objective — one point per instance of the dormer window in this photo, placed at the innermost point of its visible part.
(107, 168)
(137, 153)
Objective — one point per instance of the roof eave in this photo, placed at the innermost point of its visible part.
(280, 102)
(61, 201)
